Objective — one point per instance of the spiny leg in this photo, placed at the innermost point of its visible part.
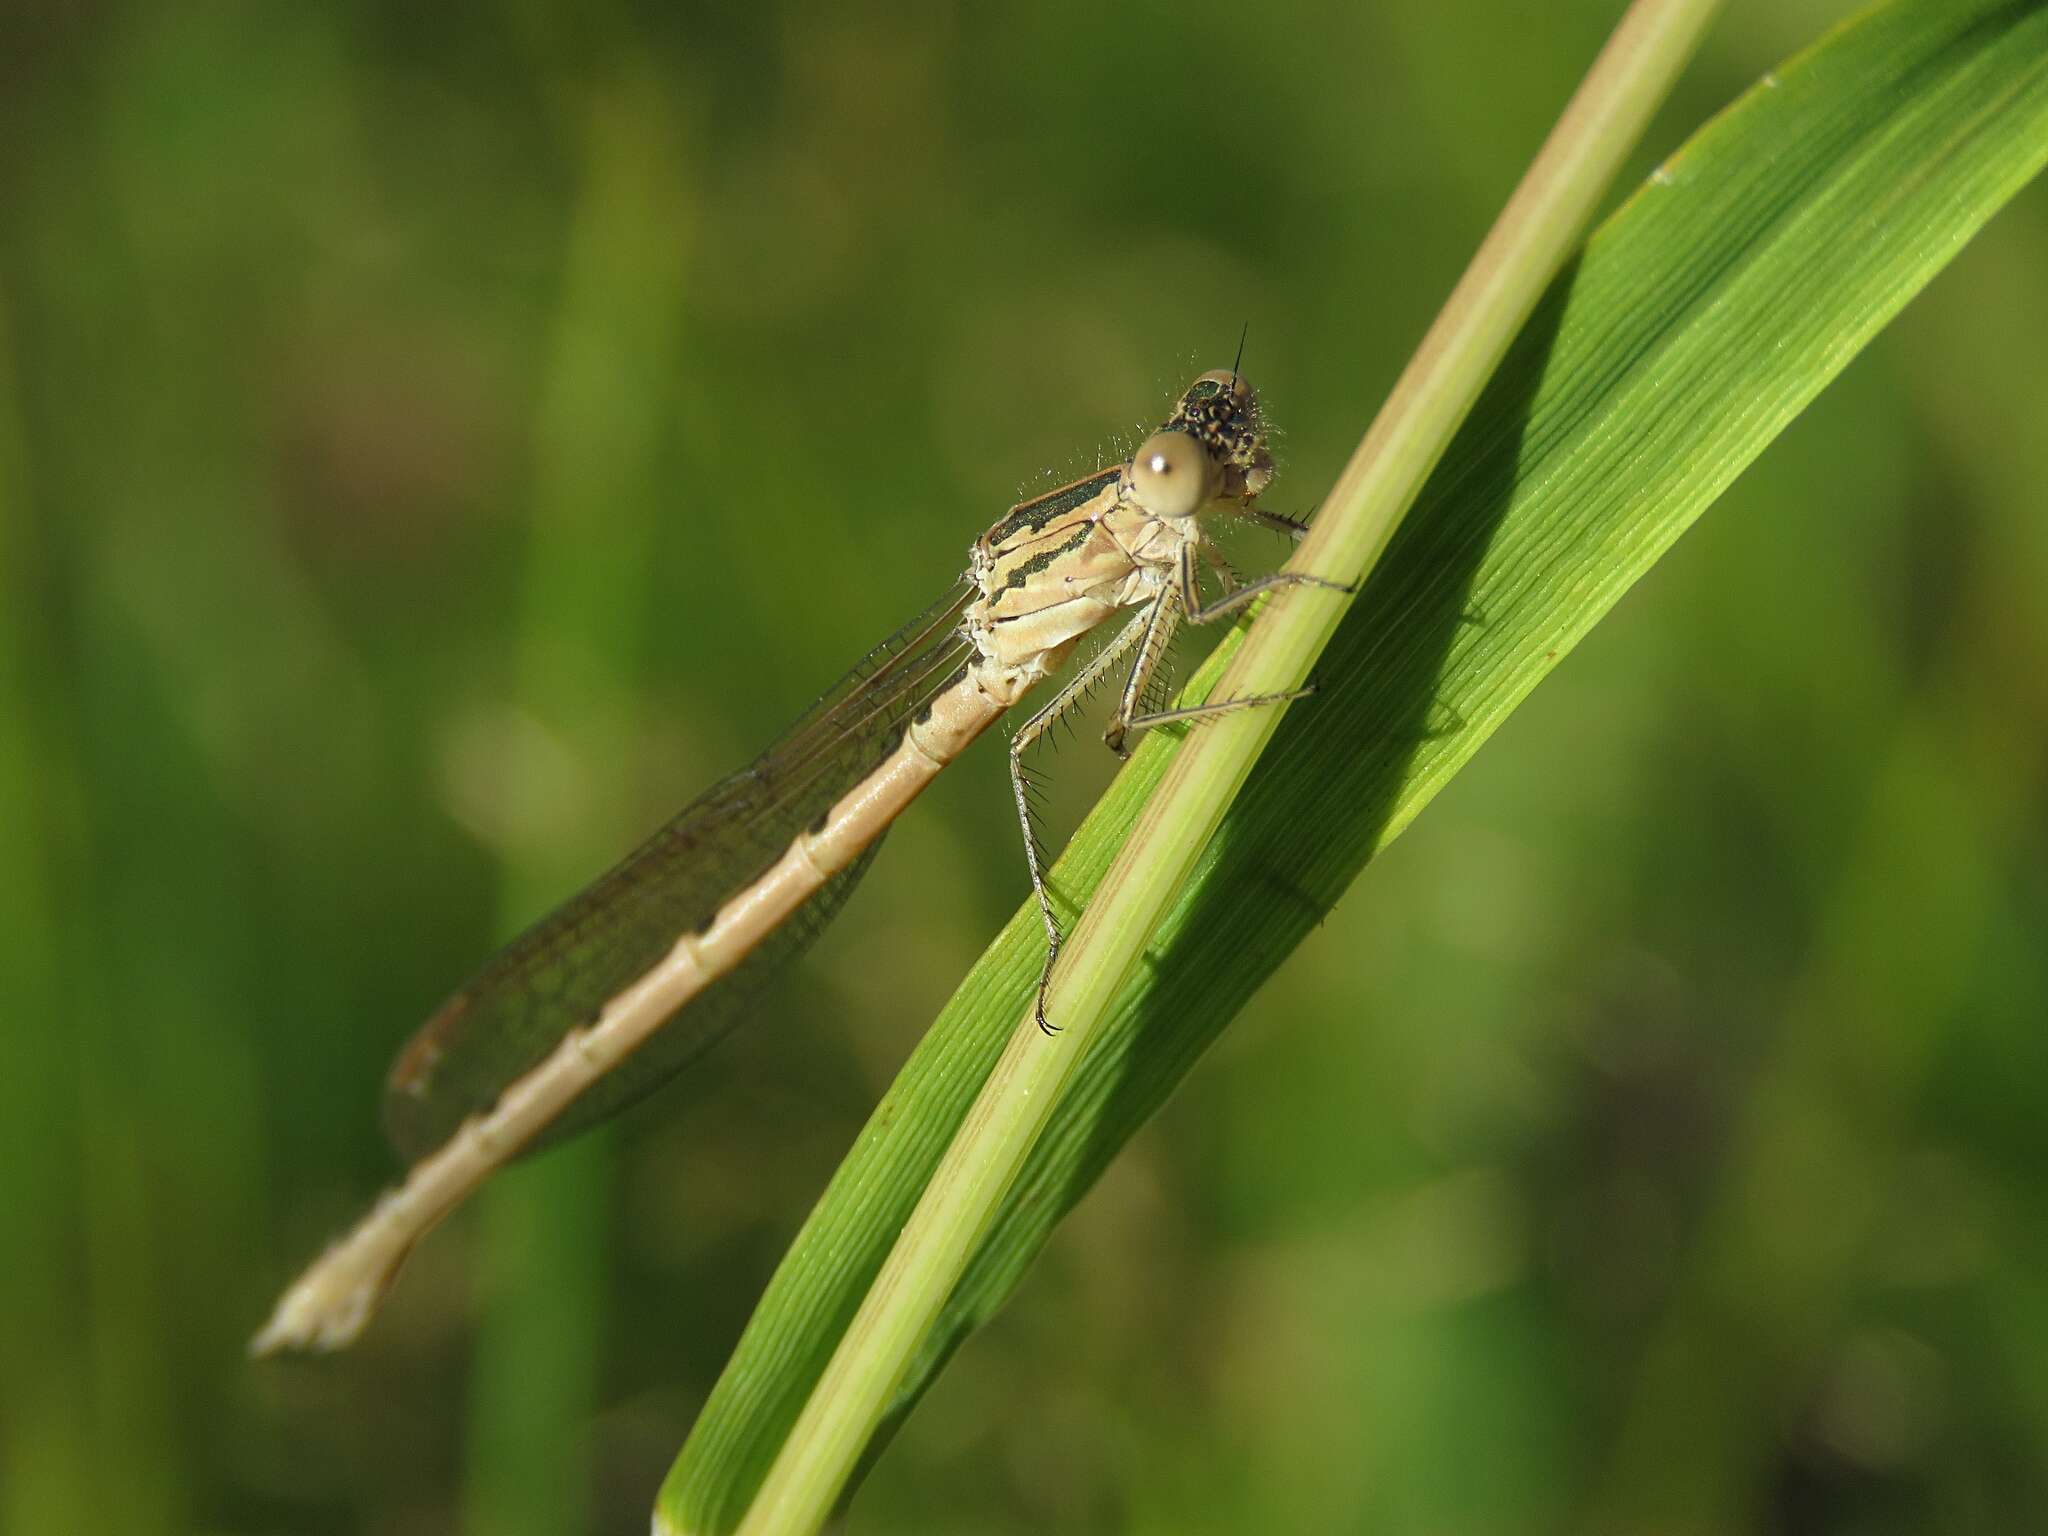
(1160, 618)
(1279, 522)
(1220, 707)
(1029, 732)
(1237, 597)
(1185, 576)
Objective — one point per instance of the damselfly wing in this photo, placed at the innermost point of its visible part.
(561, 972)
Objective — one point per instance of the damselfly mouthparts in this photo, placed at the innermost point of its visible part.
(615, 991)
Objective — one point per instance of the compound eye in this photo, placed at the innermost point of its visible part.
(1230, 382)
(1171, 475)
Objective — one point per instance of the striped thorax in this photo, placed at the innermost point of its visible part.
(1054, 568)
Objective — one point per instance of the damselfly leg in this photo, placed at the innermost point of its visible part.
(1150, 634)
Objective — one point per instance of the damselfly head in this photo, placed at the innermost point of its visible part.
(1220, 414)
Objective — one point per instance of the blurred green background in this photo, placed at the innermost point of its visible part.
(434, 445)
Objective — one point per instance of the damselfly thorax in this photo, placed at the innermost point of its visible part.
(1054, 568)
(619, 988)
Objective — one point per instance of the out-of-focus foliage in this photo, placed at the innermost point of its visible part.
(430, 449)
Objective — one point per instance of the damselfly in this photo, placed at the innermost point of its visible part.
(615, 991)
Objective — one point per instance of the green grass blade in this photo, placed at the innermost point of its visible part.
(1701, 319)
(1530, 241)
